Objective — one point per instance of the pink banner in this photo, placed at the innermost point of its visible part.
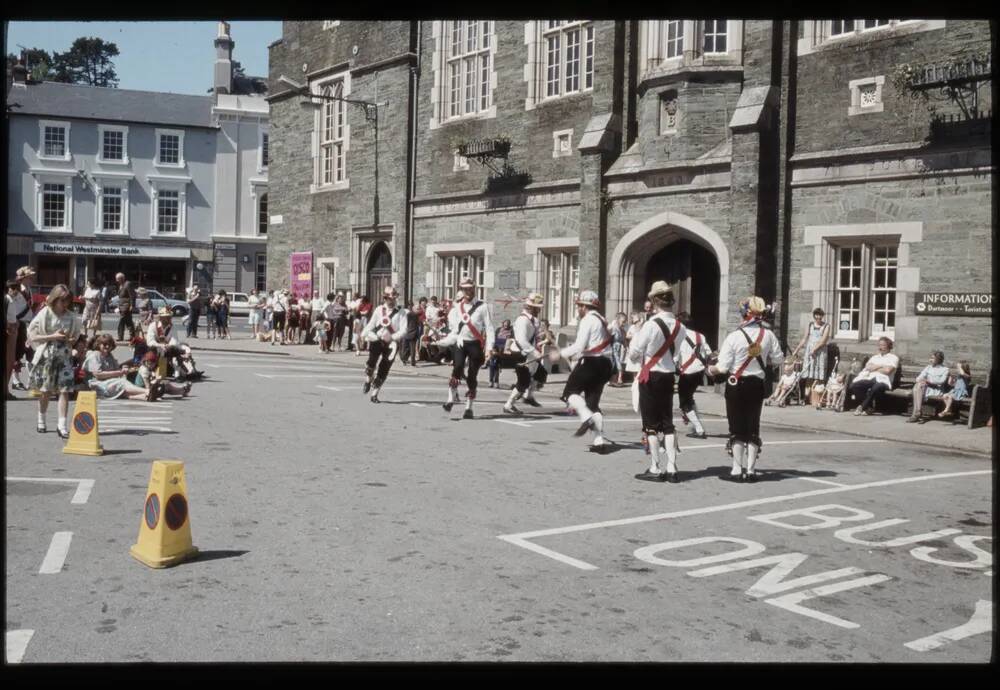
(302, 274)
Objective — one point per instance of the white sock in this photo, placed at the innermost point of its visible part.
(514, 397)
(41, 418)
(693, 416)
(579, 406)
(654, 456)
(670, 446)
(452, 394)
(468, 403)
(598, 422)
(375, 392)
(752, 450)
(738, 449)
(62, 423)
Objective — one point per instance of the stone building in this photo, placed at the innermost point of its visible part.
(167, 188)
(793, 159)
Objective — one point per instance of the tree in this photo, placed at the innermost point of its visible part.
(88, 61)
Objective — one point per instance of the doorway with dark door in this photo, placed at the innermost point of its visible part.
(379, 271)
(693, 271)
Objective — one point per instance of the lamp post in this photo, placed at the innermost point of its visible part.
(371, 116)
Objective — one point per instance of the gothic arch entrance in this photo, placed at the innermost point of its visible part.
(673, 247)
(378, 270)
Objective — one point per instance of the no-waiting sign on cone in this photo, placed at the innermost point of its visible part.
(84, 438)
(165, 529)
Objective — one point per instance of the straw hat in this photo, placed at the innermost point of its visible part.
(589, 298)
(467, 283)
(534, 299)
(140, 291)
(753, 305)
(661, 289)
(164, 313)
(389, 291)
(25, 272)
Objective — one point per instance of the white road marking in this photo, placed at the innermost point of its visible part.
(320, 374)
(814, 479)
(980, 622)
(416, 404)
(138, 428)
(17, 644)
(521, 538)
(84, 486)
(792, 602)
(511, 421)
(56, 556)
(331, 388)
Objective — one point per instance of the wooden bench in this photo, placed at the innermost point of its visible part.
(975, 410)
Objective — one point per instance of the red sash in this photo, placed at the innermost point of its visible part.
(694, 355)
(467, 320)
(760, 337)
(644, 374)
(607, 337)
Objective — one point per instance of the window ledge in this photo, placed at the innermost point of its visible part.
(337, 187)
(111, 233)
(680, 71)
(485, 115)
(107, 161)
(564, 97)
(65, 159)
(172, 166)
(56, 231)
(168, 235)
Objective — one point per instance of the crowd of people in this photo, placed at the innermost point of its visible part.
(64, 353)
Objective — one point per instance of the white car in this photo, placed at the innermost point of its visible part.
(239, 304)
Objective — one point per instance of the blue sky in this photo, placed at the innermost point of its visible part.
(176, 57)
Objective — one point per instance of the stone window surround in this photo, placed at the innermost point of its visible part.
(101, 129)
(102, 179)
(363, 238)
(820, 278)
(179, 133)
(460, 163)
(817, 33)
(316, 87)
(434, 252)
(439, 98)
(855, 108)
(662, 106)
(263, 131)
(692, 52)
(557, 151)
(534, 280)
(53, 177)
(534, 68)
(324, 262)
(42, 124)
(176, 183)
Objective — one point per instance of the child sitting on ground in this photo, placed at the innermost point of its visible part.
(148, 379)
(784, 387)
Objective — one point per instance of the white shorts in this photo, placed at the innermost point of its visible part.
(254, 318)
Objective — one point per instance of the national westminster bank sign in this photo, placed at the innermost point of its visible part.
(119, 250)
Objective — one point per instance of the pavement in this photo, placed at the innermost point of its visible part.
(934, 433)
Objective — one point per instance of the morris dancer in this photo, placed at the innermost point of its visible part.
(383, 332)
(587, 380)
(744, 353)
(525, 349)
(657, 347)
(693, 360)
(470, 331)
(160, 336)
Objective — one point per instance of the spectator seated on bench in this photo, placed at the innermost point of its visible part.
(960, 391)
(878, 376)
(931, 382)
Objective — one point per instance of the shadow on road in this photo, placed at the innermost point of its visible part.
(121, 451)
(216, 555)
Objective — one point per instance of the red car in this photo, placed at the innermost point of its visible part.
(40, 292)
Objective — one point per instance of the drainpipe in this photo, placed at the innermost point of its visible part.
(416, 39)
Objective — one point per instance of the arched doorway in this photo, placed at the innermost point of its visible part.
(379, 270)
(670, 245)
(694, 273)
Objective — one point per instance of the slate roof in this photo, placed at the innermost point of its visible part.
(55, 99)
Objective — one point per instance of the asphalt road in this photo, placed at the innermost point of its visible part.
(333, 529)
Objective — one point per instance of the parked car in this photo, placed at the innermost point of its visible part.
(177, 306)
(239, 304)
(40, 292)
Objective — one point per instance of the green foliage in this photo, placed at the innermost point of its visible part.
(88, 61)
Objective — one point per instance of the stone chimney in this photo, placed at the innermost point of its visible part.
(19, 73)
(223, 60)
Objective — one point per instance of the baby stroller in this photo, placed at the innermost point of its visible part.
(792, 393)
(834, 392)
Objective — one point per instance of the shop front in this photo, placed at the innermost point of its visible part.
(165, 269)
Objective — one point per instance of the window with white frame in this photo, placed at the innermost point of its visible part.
(54, 140)
(168, 211)
(54, 206)
(716, 34)
(169, 148)
(333, 132)
(113, 144)
(112, 210)
(467, 67)
(262, 214)
(561, 276)
(454, 268)
(866, 290)
(568, 49)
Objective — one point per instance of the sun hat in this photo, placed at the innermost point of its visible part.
(534, 299)
(467, 282)
(589, 298)
(26, 272)
(660, 289)
(164, 312)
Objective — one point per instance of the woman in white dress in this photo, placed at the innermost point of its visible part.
(52, 332)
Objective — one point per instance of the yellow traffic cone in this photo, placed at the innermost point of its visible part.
(165, 539)
(84, 438)
(161, 367)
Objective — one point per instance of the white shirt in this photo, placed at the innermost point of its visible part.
(886, 360)
(8, 304)
(318, 304)
(477, 316)
(525, 333)
(382, 318)
(19, 304)
(153, 336)
(279, 303)
(651, 339)
(735, 350)
(254, 303)
(432, 313)
(590, 333)
(687, 350)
